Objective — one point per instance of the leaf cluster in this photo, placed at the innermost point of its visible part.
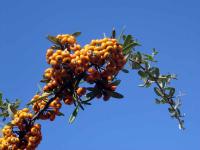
(151, 75)
(8, 108)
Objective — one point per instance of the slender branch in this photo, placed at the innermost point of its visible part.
(37, 115)
(168, 99)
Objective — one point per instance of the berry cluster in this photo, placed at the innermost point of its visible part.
(100, 60)
(53, 108)
(96, 64)
(20, 134)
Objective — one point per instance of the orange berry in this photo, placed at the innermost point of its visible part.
(25, 110)
(38, 126)
(99, 95)
(53, 62)
(54, 83)
(78, 47)
(109, 48)
(64, 40)
(65, 54)
(91, 70)
(66, 60)
(81, 91)
(106, 97)
(106, 55)
(34, 131)
(105, 40)
(103, 45)
(79, 70)
(113, 88)
(49, 52)
(109, 43)
(47, 75)
(52, 117)
(59, 58)
(46, 88)
(68, 101)
(109, 77)
(36, 96)
(59, 52)
(72, 56)
(71, 40)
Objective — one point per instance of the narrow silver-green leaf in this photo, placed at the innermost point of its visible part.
(116, 82)
(76, 34)
(127, 49)
(116, 95)
(53, 39)
(73, 115)
(158, 92)
(10, 112)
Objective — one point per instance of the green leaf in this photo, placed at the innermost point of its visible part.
(76, 34)
(135, 65)
(16, 104)
(10, 112)
(4, 114)
(44, 80)
(171, 92)
(9, 124)
(141, 85)
(7, 100)
(113, 33)
(158, 92)
(90, 96)
(1, 100)
(171, 110)
(125, 70)
(124, 37)
(116, 82)
(56, 47)
(86, 103)
(60, 114)
(40, 87)
(127, 49)
(146, 84)
(1, 96)
(154, 52)
(128, 40)
(116, 95)
(157, 101)
(138, 57)
(121, 35)
(3, 106)
(91, 89)
(149, 58)
(162, 101)
(93, 93)
(43, 96)
(73, 115)
(53, 39)
(155, 72)
(142, 74)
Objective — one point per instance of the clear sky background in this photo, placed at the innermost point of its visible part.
(134, 123)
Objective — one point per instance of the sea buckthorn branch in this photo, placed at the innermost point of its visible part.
(7, 107)
(141, 63)
(37, 115)
(97, 64)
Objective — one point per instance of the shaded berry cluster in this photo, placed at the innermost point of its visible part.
(96, 64)
(19, 134)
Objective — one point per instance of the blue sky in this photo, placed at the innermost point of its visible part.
(134, 123)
